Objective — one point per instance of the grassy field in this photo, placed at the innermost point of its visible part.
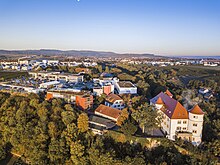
(6, 75)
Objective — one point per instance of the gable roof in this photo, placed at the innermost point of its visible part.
(111, 98)
(172, 108)
(108, 111)
(196, 110)
(168, 93)
(159, 101)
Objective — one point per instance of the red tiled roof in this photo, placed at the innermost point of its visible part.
(111, 98)
(196, 110)
(108, 111)
(159, 101)
(168, 93)
(180, 112)
(173, 109)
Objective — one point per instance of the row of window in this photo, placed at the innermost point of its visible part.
(179, 128)
(118, 102)
(184, 129)
(184, 122)
(179, 122)
(117, 106)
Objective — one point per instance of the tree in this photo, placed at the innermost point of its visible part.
(53, 129)
(2, 153)
(128, 128)
(147, 117)
(77, 151)
(68, 117)
(58, 151)
(98, 158)
(124, 116)
(107, 69)
(83, 122)
(100, 68)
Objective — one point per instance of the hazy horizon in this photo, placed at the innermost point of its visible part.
(160, 27)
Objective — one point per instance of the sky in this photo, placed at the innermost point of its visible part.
(162, 27)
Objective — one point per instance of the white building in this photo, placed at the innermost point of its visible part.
(114, 101)
(97, 91)
(50, 61)
(177, 122)
(54, 76)
(50, 84)
(124, 87)
(203, 91)
(106, 85)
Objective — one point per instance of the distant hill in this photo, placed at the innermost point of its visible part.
(77, 53)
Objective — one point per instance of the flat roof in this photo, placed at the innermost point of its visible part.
(102, 121)
(125, 84)
(50, 83)
(67, 91)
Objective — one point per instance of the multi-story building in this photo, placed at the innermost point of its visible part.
(125, 87)
(84, 101)
(54, 76)
(106, 85)
(67, 94)
(114, 101)
(177, 122)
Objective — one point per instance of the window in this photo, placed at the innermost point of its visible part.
(194, 131)
(184, 122)
(179, 122)
(184, 128)
(195, 125)
(178, 128)
(195, 117)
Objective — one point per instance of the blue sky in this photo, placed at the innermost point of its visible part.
(165, 27)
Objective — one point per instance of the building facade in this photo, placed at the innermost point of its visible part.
(114, 101)
(177, 122)
(85, 101)
(54, 76)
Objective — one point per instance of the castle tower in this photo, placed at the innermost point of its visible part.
(159, 104)
(196, 124)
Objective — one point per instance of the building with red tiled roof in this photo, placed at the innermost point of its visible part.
(177, 120)
(114, 101)
(108, 112)
(169, 93)
(159, 101)
(196, 110)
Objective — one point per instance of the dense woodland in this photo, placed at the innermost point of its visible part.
(54, 132)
